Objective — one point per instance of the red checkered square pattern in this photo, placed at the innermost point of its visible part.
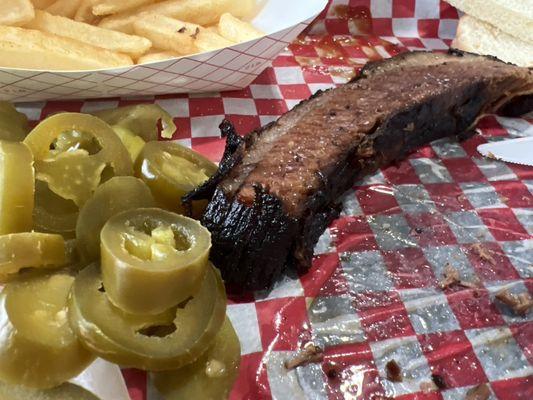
(374, 281)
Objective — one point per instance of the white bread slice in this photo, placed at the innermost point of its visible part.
(30, 49)
(480, 37)
(512, 16)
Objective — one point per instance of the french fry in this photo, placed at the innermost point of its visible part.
(236, 30)
(16, 12)
(42, 4)
(31, 49)
(157, 56)
(168, 33)
(207, 40)
(84, 13)
(201, 12)
(109, 7)
(64, 8)
(120, 22)
(134, 46)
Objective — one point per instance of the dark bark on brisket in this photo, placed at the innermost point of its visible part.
(518, 107)
(230, 157)
(277, 189)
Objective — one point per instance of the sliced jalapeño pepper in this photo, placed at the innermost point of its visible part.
(155, 252)
(53, 213)
(133, 143)
(71, 171)
(75, 140)
(17, 187)
(39, 349)
(141, 119)
(153, 342)
(30, 250)
(118, 194)
(13, 124)
(65, 391)
(171, 171)
(211, 377)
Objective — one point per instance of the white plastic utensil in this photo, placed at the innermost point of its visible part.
(517, 151)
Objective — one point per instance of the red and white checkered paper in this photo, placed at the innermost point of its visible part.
(372, 294)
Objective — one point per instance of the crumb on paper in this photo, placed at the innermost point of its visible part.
(483, 253)
(428, 387)
(331, 370)
(479, 392)
(492, 156)
(520, 304)
(393, 370)
(416, 232)
(451, 278)
(309, 354)
(461, 197)
(439, 381)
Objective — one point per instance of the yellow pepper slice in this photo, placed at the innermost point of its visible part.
(141, 119)
(53, 213)
(30, 250)
(39, 349)
(76, 172)
(65, 391)
(73, 175)
(211, 377)
(75, 140)
(171, 171)
(119, 194)
(13, 124)
(152, 343)
(16, 187)
(155, 252)
(133, 143)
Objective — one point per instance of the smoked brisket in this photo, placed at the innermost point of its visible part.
(277, 189)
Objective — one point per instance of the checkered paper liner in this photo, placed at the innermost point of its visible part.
(230, 68)
(372, 294)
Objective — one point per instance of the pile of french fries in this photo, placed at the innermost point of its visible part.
(97, 34)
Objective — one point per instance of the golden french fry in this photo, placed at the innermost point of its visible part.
(16, 12)
(157, 56)
(201, 12)
(168, 33)
(134, 46)
(120, 22)
(42, 4)
(236, 30)
(64, 8)
(207, 40)
(28, 48)
(84, 13)
(109, 7)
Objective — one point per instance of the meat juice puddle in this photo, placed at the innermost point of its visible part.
(334, 56)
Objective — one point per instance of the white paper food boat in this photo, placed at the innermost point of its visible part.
(230, 68)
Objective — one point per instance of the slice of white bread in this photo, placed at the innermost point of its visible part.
(512, 16)
(479, 37)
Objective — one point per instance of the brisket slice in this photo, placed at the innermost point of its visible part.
(277, 188)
